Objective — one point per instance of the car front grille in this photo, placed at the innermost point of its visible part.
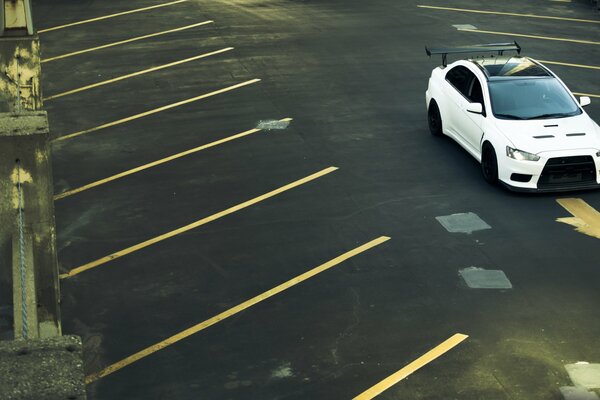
(570, 172)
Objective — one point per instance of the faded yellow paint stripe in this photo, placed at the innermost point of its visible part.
(155, 110)
(586, 94)
(420, 362)
(569, 64)
(466, 10)
(158, 162)
(145, 71)
(126, 41)
(234, 310)
(196, 224)
(585, 218)
(86, 21)
(531, 36)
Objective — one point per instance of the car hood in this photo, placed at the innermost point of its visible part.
(540, 135)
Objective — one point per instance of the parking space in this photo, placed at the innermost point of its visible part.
(206, 252)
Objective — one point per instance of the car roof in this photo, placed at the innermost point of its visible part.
(501, 67)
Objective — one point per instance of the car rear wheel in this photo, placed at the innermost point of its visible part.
(489, 164)
(434, 118)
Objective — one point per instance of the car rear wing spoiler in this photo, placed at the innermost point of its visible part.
(476, 48)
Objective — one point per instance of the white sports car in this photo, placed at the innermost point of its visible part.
(517, 118)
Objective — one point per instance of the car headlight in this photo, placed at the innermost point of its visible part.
(520, 155)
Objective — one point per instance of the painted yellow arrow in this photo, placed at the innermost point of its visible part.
(585, 218)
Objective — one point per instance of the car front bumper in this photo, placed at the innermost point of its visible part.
(554, 172)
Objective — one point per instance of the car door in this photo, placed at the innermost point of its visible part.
(462, 88)
(473, 124)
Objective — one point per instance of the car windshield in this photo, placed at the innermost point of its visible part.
(531, 98)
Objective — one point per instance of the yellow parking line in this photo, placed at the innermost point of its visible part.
(234, 310)
(585, 218)
(569, 64)
(155, 110)
(110, 16)
(158, 162)
(412, 367)
(586, 94)
(531, 36)
(120, 78)
(591, 21)
(126, 41)
(196, 224)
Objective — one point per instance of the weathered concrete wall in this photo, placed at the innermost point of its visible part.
(43, 369)
(20, 62)
(25, 137)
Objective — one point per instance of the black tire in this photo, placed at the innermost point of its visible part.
(489, 164)
(434, 119)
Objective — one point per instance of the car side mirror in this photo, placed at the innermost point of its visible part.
(475, 108)
(584, 101)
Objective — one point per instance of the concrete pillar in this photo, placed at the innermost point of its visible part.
(20, 72)
(20, 64)
(15, 17)
(25, 137)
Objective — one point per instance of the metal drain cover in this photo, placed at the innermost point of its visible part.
(479, 278)
(584, 374)
(463, 222)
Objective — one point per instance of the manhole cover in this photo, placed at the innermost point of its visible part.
(577, 393)
(272, 124)
(584, 374)
(479, 278)
(463, 222)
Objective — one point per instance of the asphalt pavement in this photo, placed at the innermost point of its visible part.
(173, 209)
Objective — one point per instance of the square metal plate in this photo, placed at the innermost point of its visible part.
(463, 222)
(272, 124)
(577, 393)
(479, 278)
(464, 26)
(584, 374)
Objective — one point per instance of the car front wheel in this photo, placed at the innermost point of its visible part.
(489, 164)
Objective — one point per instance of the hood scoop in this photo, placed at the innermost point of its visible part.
(543, 137)
(551, 136)
(551, 126)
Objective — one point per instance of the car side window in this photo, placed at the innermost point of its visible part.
(460, 77)
(467, 84)
(476, 94)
